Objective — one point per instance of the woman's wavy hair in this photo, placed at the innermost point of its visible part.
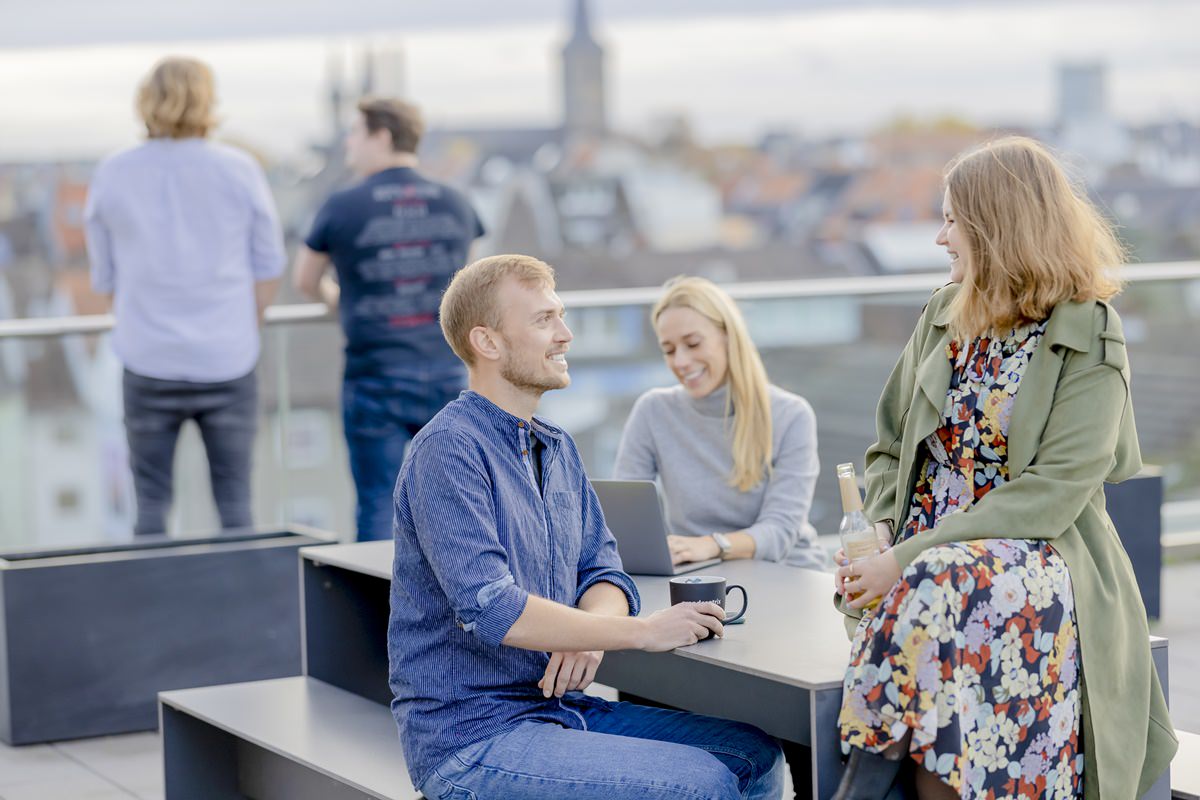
(1035, 239)
(749, 396)
(176, 99)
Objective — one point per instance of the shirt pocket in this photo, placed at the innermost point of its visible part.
(566, 520)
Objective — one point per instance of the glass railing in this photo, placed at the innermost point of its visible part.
(63, 463)
(64, 475)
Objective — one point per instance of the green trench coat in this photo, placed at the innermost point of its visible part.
(1071, 430)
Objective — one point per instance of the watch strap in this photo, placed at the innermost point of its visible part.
(724, 544)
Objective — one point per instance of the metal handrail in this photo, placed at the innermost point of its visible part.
(294, 313)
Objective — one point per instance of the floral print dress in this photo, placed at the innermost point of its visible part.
(974, 649)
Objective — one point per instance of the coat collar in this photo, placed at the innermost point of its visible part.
(1070, 326)
(1070, 323)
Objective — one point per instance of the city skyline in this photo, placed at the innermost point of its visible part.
(817, 70)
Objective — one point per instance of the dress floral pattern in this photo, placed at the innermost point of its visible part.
(975, 648)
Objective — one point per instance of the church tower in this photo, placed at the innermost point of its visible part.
(583, 78)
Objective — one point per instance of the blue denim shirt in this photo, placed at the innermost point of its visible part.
(474, 538)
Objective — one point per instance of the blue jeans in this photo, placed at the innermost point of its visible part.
(227, 415)
(380, 416)
(627, 752)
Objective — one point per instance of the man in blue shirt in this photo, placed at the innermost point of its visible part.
(507, 589)
(394, 239)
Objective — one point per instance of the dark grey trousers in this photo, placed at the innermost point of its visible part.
(227, 415)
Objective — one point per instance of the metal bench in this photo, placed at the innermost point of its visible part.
(291, 738)
(1185, 769)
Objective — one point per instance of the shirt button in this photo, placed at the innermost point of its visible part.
(524, 452)
(520, 424)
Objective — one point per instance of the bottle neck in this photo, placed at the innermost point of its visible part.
(851, 499)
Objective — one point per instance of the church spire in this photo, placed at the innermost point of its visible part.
(582, 29)
(583, 78)
(337, 98)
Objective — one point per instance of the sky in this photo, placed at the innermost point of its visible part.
(69, 68)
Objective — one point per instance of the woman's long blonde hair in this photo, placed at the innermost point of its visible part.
(749, 398)
(1035, 240)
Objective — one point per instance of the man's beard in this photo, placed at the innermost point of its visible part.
(526, 379)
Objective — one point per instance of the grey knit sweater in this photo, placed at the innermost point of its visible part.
(684, 444)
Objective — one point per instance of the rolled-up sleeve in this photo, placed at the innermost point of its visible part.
(598, 557)
(448, 497)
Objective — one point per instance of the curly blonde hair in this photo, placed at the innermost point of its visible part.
(176, 99)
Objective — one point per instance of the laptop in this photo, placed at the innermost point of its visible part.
(634, 514)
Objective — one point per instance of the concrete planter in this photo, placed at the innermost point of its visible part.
(90, 635)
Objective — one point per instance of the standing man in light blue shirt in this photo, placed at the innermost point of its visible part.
(183, 235)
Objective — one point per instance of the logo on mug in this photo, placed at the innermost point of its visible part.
(706, 589)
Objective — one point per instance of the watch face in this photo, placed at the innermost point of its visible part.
(723, 542)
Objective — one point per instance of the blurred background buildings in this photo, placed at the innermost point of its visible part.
(609, 208)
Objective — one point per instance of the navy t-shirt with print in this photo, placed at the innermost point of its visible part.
(395, 239)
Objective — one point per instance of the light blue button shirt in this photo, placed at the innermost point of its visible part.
(179, 231)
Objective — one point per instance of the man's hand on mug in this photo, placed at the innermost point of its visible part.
(680, 625)
(686, 549)
(569, 672)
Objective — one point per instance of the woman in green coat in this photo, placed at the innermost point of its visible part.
(1004, 651)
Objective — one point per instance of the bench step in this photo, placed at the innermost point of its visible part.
(1185, 768)
(299, 736)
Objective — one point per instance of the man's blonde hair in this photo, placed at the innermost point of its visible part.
(1035, 240)
(749, 397)
(176, 99)
(470, 299)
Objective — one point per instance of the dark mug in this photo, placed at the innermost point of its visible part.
(706, 589)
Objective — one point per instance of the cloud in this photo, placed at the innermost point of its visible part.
(820, 71)
(74, 22)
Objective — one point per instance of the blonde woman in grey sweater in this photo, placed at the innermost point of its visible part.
(736, 456)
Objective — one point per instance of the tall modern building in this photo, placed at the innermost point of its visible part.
(1082, 95)
(584, 110)
(1086, 129)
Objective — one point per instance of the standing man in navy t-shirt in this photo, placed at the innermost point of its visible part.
(395, 240)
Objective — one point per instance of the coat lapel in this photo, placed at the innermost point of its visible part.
(933, 378)
(1069, 327)
(932, 381)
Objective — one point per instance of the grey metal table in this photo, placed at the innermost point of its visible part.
(781, 669)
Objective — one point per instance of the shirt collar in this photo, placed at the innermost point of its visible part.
(390, 173)
(505, 422)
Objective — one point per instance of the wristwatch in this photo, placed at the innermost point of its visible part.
(723, 542)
